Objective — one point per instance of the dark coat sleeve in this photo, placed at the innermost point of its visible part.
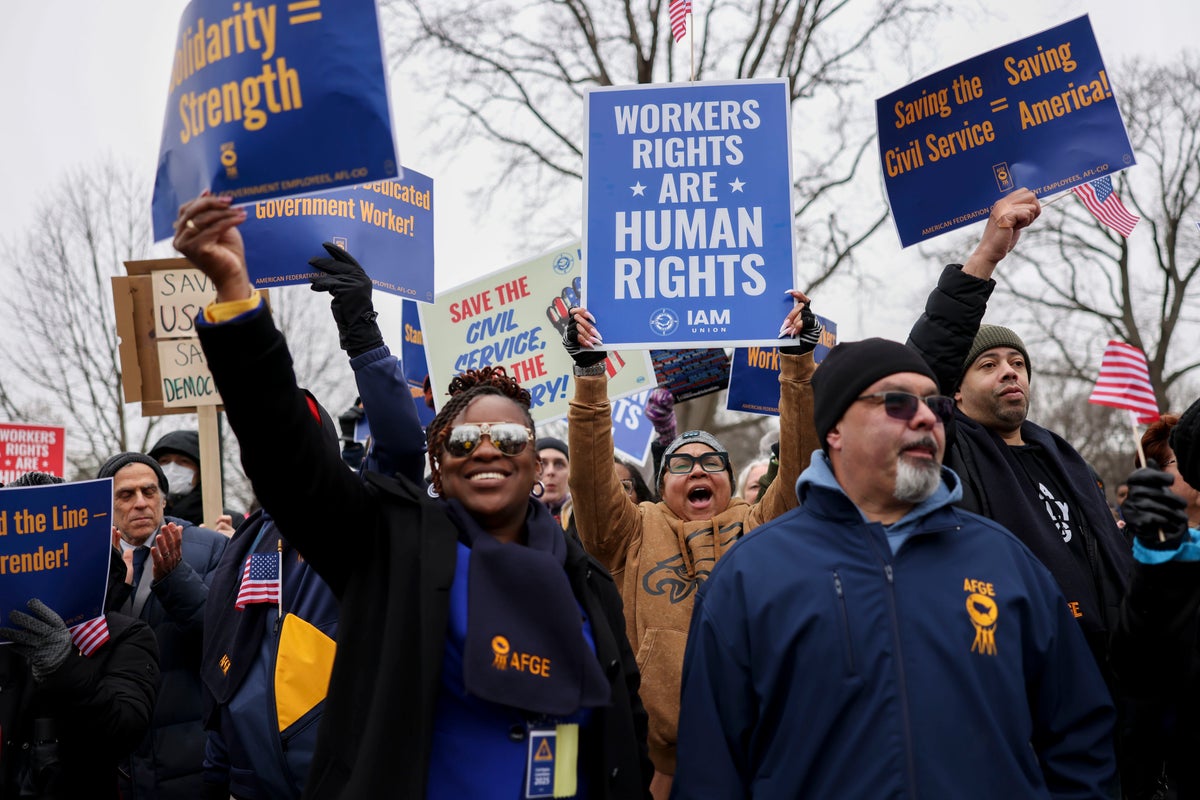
(1155, 650)
(184, 590)
(296, 475)
(944, 333)
(112, 692)
(397, 443)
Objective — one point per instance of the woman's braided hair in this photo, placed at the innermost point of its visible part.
(464, 388)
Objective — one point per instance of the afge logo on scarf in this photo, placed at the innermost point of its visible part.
(982, 610)
(504, 657)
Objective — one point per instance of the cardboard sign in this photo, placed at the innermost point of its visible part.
(55, 543)
(754, 374)
(387, 227)
(30, 448)
(1038, 113)
(514, 318)
(273, 99)
(688, 211)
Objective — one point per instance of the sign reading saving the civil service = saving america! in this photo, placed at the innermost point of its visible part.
(1038, 113)
(688, 210)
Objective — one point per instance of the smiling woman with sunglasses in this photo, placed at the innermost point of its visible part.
(481, 654)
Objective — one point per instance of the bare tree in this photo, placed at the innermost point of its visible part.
(1075, 283)
(62, 363)
(515, 73)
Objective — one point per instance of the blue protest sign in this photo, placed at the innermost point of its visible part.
(754, 374)
(55, 543)
(632, 432)
(387, 227)
(1038, 113)
(688, 211)
(270, 100)
(691, 373)
(412, 354)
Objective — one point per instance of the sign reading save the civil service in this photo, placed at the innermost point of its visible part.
(1038, 113)
(269, 99)
(688, 212)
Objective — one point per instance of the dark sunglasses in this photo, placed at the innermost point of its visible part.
(682, 463)
(510, 438)
(902, 405)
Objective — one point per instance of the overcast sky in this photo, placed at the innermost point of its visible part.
(87, 79)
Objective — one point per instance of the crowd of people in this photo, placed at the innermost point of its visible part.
(918, 593)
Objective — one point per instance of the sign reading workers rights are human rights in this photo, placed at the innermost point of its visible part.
(688, 213)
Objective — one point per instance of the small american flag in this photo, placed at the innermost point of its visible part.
(260, 580)
(89, 636)
(1101, 199)
(679, 11)
(1124, 382)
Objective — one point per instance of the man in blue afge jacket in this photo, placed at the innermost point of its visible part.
(879, 642)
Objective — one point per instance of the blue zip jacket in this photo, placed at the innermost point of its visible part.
(820, 664)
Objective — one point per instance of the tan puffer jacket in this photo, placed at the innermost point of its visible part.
(659, 560)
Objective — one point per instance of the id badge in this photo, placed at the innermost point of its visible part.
(551, 762)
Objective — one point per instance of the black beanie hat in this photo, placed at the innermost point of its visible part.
(1187, 449)
(111, 467)
(550, 443)
(849, 369)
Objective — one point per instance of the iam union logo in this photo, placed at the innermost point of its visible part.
(664, 322)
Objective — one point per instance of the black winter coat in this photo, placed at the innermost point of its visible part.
(388, 552)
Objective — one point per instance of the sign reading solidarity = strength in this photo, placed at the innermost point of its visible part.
(270, 99)
(54, 545)
(688, 211)
(1038, 113)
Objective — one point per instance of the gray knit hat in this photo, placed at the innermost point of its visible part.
(990, 336)
(114, 465)
(693, 437)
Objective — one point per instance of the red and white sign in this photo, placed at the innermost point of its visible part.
(30, 448)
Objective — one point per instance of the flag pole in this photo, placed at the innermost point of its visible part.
(1141, 454)
(691, 31)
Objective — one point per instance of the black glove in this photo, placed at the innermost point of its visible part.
(810, 333)
(43, 639)
(583, 358)
(1152, 507)
(348, 420)
(351, 305)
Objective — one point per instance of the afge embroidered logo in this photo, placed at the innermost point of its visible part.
(504, 657)
(982, 609)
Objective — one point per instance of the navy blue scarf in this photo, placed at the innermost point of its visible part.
(525, 646)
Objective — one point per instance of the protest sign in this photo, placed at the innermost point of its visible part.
(30, 448)
(688, 212)
(387, 227)
(412, 355)
(754, 374)
(1038, 113)
(514, 318)
(269, 100)
(179, 295)
(691, 373)
(55, 543)
(632, 432)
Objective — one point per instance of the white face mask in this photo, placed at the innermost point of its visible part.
(179, 477)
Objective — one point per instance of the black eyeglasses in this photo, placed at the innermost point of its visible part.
(902, 405)
(510, 438)
(682, 463)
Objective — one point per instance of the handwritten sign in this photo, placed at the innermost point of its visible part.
(754, 374)
(688, 210)
(179, 295)
(387, 226)
(55, 543)
(514, 318)
(30, 448)
(270, 100)
(1039, 113)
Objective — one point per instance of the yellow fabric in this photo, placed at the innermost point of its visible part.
(302, 669)
(566, 762)
(220, 312)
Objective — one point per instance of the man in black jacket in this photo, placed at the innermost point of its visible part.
(1018, 473)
